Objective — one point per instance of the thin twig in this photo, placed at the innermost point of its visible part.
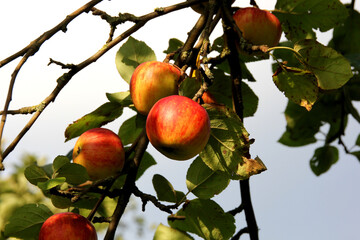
(66, 77)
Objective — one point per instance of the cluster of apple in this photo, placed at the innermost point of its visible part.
(176, 126)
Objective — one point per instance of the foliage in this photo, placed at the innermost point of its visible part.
(321, 83)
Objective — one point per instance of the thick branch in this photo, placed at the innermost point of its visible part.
(128, 188)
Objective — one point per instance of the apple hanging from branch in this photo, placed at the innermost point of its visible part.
(101, 152)
(69, 226)
(259, 27)
(178, 127)
(152, 81)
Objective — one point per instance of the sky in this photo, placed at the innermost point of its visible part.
(290, 202)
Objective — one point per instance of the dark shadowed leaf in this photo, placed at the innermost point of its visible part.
(205, 218)
(323, 159)
(74, 173)
(26, 221)
(165, 191)
(204, 182)
(130, 55)
(131, 129)
(35, 174)
(300, 17)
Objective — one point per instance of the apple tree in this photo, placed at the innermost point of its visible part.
(320, 82)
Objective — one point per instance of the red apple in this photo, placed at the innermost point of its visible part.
(152, 81)
(178, 127)
(101, 152)
(259, 27)
(69, 226)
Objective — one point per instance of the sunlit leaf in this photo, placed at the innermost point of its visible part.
(123, 98)
(59, 161)
(205, 218)
(228, 144)
(104, 114)
(51, 183)
(331, 69)
(131, 54)
(165, 233)
(204, 182)
(297, 85)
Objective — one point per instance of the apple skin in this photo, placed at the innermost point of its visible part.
(69, 226)
(152, 81)
(101, 152)
(259, 27)
(178, 127)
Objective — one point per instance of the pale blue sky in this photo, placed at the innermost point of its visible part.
(290, 202)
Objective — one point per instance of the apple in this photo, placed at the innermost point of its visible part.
(101, 152)
(178, 127)
(207, 97)
(69, 226)
(152, 81)
(259, 27)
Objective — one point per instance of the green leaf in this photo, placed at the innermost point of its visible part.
(166, 233)
(74, 173)
(323, 159)
(301, 126)
(26, 221)
(165, 191)
(174, 44)
(131, 129)
(297, 85)
(228, 143)
(357, 143)
(205, 218)
(204, 182)
(346, 37)
(300, 17)
(146, 162)
(61, 202)
(331, 69)
(122, 98)
(58, 162)
(104, 114)
(130, 55)
(35, 174)
(51, 183)
(189, 87)
(251, 103)
(356, 154)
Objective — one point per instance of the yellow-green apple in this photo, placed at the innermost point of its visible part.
(178, 127)
(152, 81)
(101, 152)
(69, 226)
(259, 27)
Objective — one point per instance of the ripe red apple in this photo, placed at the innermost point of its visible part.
(69, 226)
(178, 127)
(259, 27)
(152, 81)
(101, 152)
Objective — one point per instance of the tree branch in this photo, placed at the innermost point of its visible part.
(66, 77)
(128, 188)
